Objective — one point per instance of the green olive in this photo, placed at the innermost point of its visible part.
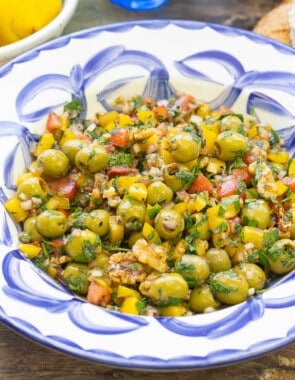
(184, 147)
(202, 299)
(229, 287)
(92, 158)
(54, 163)
(31, 230)
(282, 256)
(98, 221)
(158, 192)
(194, 269)
(169, 224)
(254, 274)
(231, 122)
(256, 213)
(177, 176)
(218, 260)
(231, 145)
(72, 147)
(83, 245)
(132, 212)
(75, 275)
(165, 289)
(33, 187)
(51, 223)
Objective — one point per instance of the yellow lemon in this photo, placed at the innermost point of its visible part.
(21, 18)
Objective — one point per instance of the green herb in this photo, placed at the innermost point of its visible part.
(121, 158)
(74, 105)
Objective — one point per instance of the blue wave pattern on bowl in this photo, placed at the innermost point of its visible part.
(158, 85)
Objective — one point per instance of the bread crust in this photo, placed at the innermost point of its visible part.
(275, 24)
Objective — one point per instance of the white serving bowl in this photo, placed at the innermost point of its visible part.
(154, 58)
(51, 30)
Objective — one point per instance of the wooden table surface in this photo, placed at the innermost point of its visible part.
(21, 358)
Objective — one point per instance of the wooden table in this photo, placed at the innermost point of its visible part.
(21, 358)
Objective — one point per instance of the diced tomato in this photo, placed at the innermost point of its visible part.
(227, 187)
(160, 112)
(291, 183)
(201, 183)
(120, 137)
(121, 170)
(53, 122)
(243, 174)
(184, 102)
(65, 186)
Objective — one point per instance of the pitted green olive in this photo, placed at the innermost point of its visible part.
(33, 187)
(31, 230)
(132, 213)
(165, 289)
(184, 147)
(169, 224)
(218, 260)
(83, 245)
(72, 147)
(51, 223)
(98, 221)
(54, 163)
(231, 145)
(231, 122)
(256, 213)
(177, 176)
(282, 256)
(158, 192)
(229, 287)
(202, 299)
(194, 269)
(75, 275)
(255, 276)
(92, 158)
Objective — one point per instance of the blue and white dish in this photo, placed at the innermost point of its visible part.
(221, 65)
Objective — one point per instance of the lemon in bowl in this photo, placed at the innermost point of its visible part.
(27, 24)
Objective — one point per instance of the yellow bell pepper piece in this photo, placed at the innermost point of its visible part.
(213, 211)
(291, 168)
(58, 202)
(252, 131)
(29, 250)
(116, 232)
(150, 234)
(124, 182)
(215, 166)
(13, 206)
(172, 311)
(130, 305)
(68, 134)
(218, 223)
(138, 191)
(109, 117)
(146, 116)
(281, 188)
(23, 177)
(46, 141)
(124, 291)
(201, 247)
(230, 206)
(180, 207)
(204, 110)
(198, 203)
(253, 235)
(280, 157)
(125, 120)
(210, 132)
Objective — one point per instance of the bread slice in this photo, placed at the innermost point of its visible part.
(279, 23)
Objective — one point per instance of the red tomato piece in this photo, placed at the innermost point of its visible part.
(243, 174)
(201, 183)
(227, 187)
(52, 122)
(120, 137)
(121, 170)
(65, 186)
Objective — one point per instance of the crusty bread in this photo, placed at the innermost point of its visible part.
(276, 23)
